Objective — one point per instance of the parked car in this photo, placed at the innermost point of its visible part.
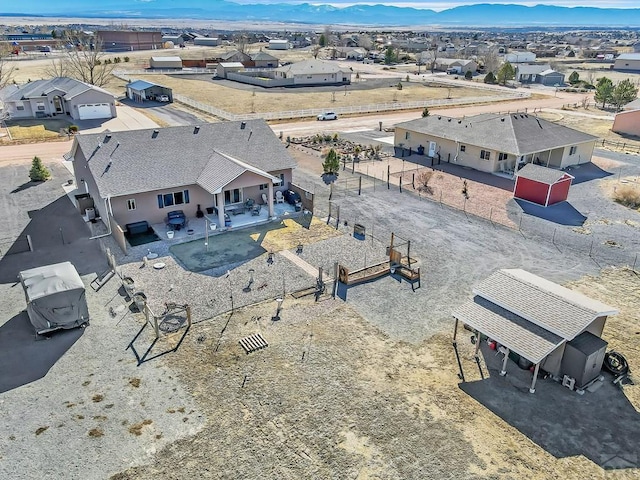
(328, 116)
(293, 198)
(162, 98)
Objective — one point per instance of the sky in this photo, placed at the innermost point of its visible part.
(443, 4)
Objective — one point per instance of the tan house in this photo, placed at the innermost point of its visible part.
(141, 175)
(314, 72)
(627, 123)
(262, 59)
(495, 143)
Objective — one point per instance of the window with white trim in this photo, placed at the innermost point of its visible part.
(463, 148)
(502, 156)
(485, 154)
(573, 150)
(264, 186)
(407, 135)
(131, 204)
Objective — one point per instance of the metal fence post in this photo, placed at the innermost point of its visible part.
(360, 185)
(388, 174)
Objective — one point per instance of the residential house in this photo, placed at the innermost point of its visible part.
(234, 56)
(314, 72)
(494, 142)
(456, 65)
(629, 62)
(351, 53)
(262, 59)
(140, 175)
(527, 73)
(58, 96)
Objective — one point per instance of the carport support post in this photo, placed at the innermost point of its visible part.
(535, 377)
(220, 203)
(269, 199)
(503, 372)
(477, 343)
(360, 185)
(455, 332)
(388, 175)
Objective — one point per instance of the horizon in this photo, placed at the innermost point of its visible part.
(439, 5)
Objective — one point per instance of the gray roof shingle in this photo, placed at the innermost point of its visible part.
(517, 134)
(564, 312)
(541, 174)
(517, 334)
(39, 88)
(135, 161)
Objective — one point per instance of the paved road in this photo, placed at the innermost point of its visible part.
(371, 122)
(47, 151)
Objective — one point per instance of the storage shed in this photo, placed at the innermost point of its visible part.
(553, 327)
(165, 62)
(542, 185)
(55, 297)
(224, 68)
(141, 90)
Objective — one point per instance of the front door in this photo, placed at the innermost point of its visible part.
(57, 104)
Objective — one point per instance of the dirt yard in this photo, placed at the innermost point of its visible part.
(262, 100)
(331, 395)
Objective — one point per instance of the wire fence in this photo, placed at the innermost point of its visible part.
(601, 249)
(624, 146)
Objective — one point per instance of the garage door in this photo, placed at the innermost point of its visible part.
(96, 110)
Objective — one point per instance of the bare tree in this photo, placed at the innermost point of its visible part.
(364, 41)
(7, 68)
(242, 43)
(58, 67)
(315, 51)
(490, 61)
(88, 64)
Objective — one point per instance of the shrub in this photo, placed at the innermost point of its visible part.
(126, 59)
(490, 78)
(73, 129)
(425, 112)
(38, 172)
(628, 195)
(399, 86)
(335, 137)
(423, 181)
(468, 75)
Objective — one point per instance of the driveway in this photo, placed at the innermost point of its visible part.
(128, 119)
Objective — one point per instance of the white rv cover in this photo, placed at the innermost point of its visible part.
(55, 297)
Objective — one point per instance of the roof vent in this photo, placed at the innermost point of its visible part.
(448, 119)
(502, 119)
(196, 129)
(242, 125)
(155, 133)
(459, 122)
(108, 137)
(526, 116)
(439, 118)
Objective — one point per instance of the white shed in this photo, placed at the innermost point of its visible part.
(165, 62)
(279, 44)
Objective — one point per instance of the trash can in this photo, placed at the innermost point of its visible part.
(359, 230)
(91, 213)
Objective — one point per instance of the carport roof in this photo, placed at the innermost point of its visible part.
(541, 174)
(141, 85)
(555, 308)
(515, 133)
(514, 332)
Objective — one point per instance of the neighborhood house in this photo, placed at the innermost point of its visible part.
(142, 175)
(58, 96)
(495, 142)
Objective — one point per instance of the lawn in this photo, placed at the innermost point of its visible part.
(36, 129)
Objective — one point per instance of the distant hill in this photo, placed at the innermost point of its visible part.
(480, 15)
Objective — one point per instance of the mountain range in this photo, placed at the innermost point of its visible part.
(479, 15)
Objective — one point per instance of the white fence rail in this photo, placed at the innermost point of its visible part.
(164, 71)
(355, 109)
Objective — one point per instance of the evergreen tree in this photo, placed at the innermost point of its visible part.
(506, 73)
(574, 78)
(331, 164)
(490, 78)
(38, 172)
(604, 91)
(623, 93)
